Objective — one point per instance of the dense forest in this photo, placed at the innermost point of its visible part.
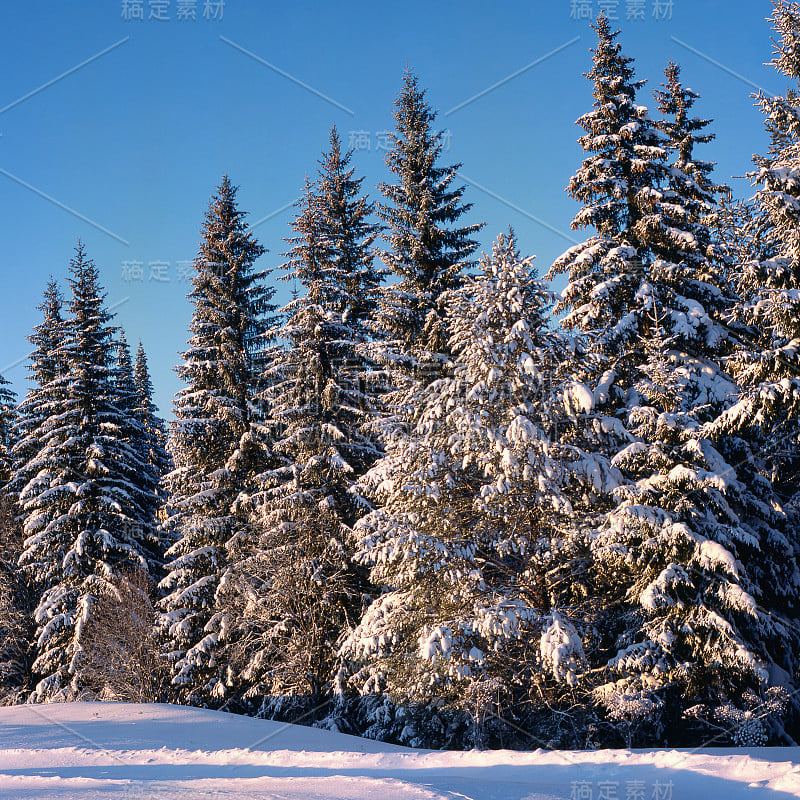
(430, 500)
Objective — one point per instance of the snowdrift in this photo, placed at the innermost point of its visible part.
(101, 750)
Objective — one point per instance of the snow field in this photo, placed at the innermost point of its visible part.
(84, 751)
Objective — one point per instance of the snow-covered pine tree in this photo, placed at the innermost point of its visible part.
(16, 606)
(214, 443)
(684, 133)
(685, 548)
(146, 414)
(347, 236)
(428, 251)
(688, 268)
(465, 539)
(127, 401)
(690, 196)
(296, 586)
(8, 414)
(46, 392)
(607, 294)
(768, 365)
(44, 396)
(81, 503)
(15, 628)
(123, 376)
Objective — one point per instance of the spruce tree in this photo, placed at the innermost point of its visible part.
(618, 182)
(429, 251)
(687, 555)
(45, 370)
(8, 415)
(16, 607)
(15, 597)
(81, 503)
(146, 414)
(128, 402)
(123, 378)
(465, 537)
(296, 585)
(44, 397)
(347, 234)
(766, 365)
(213, 442)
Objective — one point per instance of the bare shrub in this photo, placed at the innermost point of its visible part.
(121, 656)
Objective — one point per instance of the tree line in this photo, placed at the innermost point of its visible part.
(429, 499)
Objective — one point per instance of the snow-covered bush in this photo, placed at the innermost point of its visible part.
(754, 721)
(632, 709)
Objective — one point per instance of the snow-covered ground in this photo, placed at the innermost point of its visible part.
(102, 750)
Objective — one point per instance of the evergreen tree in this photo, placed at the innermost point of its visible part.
(81, 503)
(683, 133)
(465, 536)
(15, 628)
(128, 402)
(123, 378)
(688, 270)
(46, 393)
(296, 585)
(146, 414)
(766, 366)
(8, 415)
(429, 252)
(16, 607)
(688, 556)
(607, 295)
(346, 235)
(214, 443)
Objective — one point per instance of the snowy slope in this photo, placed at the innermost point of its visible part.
(102, 750)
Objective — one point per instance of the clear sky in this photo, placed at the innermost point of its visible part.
(116, 129)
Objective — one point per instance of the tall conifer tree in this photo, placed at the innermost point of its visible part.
(212, 442)
(7, 425)
(767, 367)
(46, 367)
(429, 250)
(296, 584)
(127, 400)
(81, 503)
(686, 552)
(146, 414)
(464, 540)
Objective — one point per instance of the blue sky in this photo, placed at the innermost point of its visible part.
(125, 150)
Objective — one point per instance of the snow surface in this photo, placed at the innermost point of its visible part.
(77, 751)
